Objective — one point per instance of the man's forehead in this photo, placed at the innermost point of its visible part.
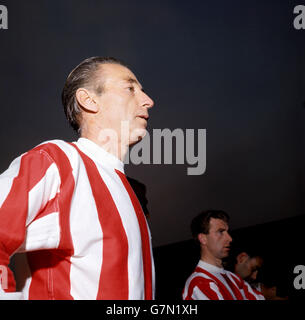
(118, 73)
(218, 223)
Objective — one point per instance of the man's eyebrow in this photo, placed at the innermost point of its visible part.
(132, 81)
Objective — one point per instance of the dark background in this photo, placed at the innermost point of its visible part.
(234, 68)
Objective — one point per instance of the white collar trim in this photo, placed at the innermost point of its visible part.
(99, 154)
(209, 267)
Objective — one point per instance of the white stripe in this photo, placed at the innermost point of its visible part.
(198, 294)
(7, 178)
(131, 226)
(44, 191)
(43, 233)
(215, 288)
(87, 259)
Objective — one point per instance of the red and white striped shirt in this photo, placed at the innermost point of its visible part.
(77, 227)
(209, 282)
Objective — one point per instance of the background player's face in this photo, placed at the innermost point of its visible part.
(218, 239)
(249, 268)
(123, 100)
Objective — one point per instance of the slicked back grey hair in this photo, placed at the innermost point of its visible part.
(82, 76)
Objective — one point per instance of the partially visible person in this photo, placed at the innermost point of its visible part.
(248, 266)
(139, 189)
(268, 284)
(246, 262)
(210, 281)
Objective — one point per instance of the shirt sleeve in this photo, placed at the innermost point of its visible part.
(28, 192)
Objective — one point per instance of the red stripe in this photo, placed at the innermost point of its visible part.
(248, 294)
(146, 250)
(233, 287)
(222, 288)
(243, 286)
(14, 210)
(113, 284)
(50, 207)
(257, 292)
(51, 268)
(204, 286)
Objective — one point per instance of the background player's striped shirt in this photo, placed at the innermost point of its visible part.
(209, 282)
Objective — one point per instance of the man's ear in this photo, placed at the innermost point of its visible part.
(242, 257)
(202, 238)
(86, 100)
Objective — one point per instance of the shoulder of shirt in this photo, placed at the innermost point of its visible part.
(200, 280)
(44, 147)
(199, 276)
(49, 150)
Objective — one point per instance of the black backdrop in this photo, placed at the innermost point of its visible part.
(235, 68)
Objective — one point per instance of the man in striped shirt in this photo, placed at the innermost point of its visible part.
(68, 213)
(210, 281)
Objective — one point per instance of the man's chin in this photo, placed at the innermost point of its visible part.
(225, 254)
(133, 142)
(136, 136)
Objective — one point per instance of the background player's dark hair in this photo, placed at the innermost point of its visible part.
(239, 246)
(201, 223)
(82, 76)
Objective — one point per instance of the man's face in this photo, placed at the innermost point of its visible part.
(249, 268)
(217, 241)
(123, 102)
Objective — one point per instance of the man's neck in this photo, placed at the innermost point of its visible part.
(212, 260)
(110, 144)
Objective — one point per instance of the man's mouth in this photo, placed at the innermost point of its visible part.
(144, 116)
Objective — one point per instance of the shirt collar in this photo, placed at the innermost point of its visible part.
(209, 267)
(98, 154)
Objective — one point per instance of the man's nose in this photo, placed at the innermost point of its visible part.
(146, 101)
(229, 237)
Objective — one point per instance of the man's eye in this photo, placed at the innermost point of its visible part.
(131, 89)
